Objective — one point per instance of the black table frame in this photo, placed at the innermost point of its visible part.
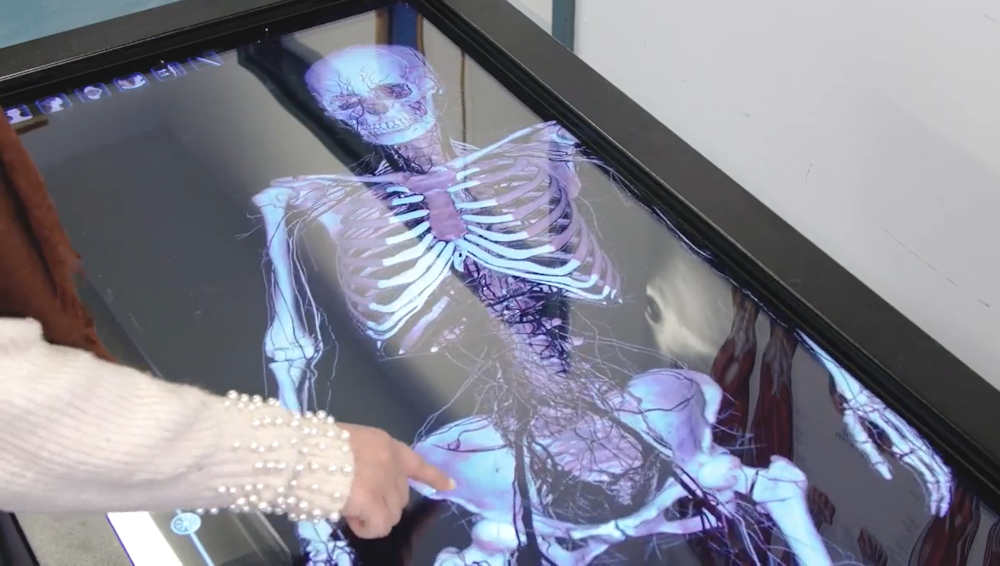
(942, 397)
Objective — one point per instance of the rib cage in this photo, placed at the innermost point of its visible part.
(517, 215)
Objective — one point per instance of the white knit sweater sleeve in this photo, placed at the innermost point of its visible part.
(81, 434)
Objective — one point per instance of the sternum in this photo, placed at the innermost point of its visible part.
(446, 223)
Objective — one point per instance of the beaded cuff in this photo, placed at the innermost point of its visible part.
(302, 464)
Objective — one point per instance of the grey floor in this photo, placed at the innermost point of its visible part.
(24, 20)
(73, 540)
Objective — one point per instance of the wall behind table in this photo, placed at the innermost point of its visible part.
(872, 129)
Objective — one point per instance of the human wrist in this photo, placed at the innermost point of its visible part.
(274, 461)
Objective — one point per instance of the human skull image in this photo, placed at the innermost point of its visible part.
(383, 92)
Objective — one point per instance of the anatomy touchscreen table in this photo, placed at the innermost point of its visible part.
(483, 285)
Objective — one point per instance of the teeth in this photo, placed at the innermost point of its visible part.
(394, 125)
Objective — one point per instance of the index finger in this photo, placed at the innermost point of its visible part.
(417, 469)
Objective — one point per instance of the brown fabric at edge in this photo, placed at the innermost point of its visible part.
(37, 262)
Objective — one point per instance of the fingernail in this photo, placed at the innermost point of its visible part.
(451, 484)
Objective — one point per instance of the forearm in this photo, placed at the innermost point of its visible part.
(80, 434)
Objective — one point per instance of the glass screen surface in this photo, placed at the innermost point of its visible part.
(358, 218)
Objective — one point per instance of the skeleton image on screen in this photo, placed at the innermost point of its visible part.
(565, 459)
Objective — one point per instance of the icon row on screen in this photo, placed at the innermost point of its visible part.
(165, 71)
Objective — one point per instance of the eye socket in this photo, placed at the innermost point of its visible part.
(346, 103)
(395, 90)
